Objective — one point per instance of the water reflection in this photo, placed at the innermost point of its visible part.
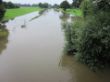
(40, 14)
(81, 73)
(57, 10)
(68, 31)
(65, 17)
(3, 38)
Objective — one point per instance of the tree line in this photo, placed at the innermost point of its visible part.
(10, 5)
(75, 4)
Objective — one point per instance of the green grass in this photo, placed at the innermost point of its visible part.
(12, 13)
(76, 12)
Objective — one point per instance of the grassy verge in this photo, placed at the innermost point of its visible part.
(76, 12)
(12, 13)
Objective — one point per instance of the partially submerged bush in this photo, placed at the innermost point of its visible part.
(103, 5)
(91, 36)
(67, 27)
(69, 33)
(3, 38)
(95, 41)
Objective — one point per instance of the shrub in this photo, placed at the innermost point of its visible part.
(2, 11)
(91, 36)
(3, 38)
(94, 43)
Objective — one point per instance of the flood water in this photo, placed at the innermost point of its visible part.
(33, 52)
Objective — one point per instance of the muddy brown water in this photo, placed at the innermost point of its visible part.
(34, 53)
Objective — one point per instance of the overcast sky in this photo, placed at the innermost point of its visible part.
(37, 1)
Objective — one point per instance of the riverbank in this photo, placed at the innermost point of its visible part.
(76, 12)
(12, 13)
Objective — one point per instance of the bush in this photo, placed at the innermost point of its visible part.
(2, 11)
(65, 5)
(69, 48)
(95, 41)
(91, 36)
(103, 5)
(3, 38)
(67, 28)
(76, 3)
(43, 5)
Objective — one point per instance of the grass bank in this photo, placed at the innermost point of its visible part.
(12, 13)
(76, 12)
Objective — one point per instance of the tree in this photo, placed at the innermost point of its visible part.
(65, 5)
(35, 5)
(43, 5)
(2, 10)
(76, 3)
(10, 5)
(55, 6)
(102, 4)
(94, 43)
(1, 1)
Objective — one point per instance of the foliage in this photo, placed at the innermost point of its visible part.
(3, 31)
(65, 5)
(69, 47)
(43, 5)
(10, 5)
(94, 43)
(34, 5)
(103, 5)
(2, 10)
(55, 6)
(87, 8)
(91, 34)
(76, 3)
(3, 38)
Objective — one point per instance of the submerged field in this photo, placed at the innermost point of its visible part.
(12, 13)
